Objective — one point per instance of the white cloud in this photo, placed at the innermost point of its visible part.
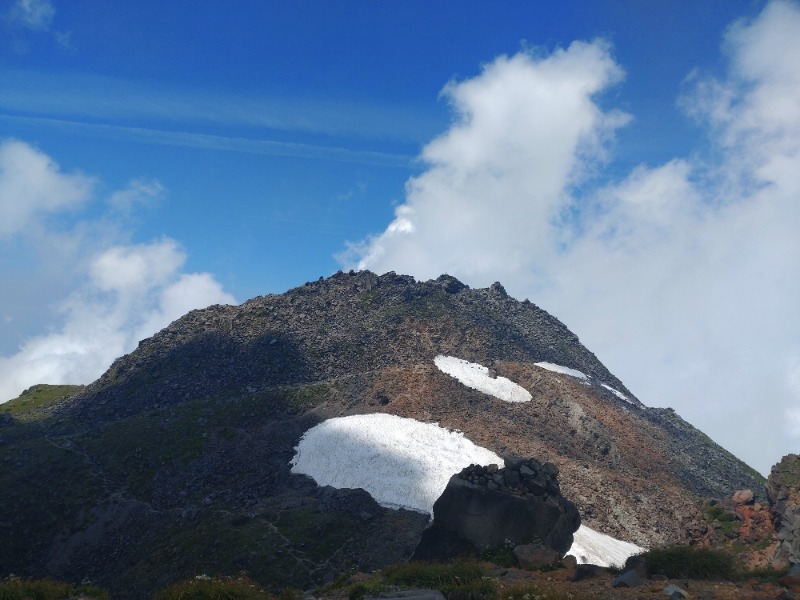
(139, 192)
(32, 185)
(131, 293)
(681, 277)
(525, 129)
(120, 292)
(33, 14)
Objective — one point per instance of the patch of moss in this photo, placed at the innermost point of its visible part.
(29, 405)
(15, 588)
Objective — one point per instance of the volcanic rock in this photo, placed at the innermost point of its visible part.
(478, 511)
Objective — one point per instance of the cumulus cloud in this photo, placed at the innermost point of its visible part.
(525, 129)
(120, 292)
(130, 293)
(32, 186)
(681, 276)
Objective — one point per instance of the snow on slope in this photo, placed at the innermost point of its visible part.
(476, 376)
(593, 547)
(561, 369)
(401, 463)
(617, 393)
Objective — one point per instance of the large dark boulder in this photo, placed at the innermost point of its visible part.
(486, 507)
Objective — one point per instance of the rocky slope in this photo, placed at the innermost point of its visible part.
(176, 461)
(783, 491)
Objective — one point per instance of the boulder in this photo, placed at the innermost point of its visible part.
(628, 579)
(486, 507)
(535, 556)
(743, 497)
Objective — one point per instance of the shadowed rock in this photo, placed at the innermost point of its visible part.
(486, 507)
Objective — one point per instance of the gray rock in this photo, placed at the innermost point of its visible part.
(673, 592)
(469, 518)
(535, 556)
(628, 579)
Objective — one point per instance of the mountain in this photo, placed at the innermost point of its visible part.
(178, 460)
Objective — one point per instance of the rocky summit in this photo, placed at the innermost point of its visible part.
(176, 461)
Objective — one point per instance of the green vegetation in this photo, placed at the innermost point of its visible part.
(203, 587)
(764, 574)
(15, 588)
(457, 580)
(725, 519)
(534, 593)
(690, 562)
(503, 555)
(31, 403)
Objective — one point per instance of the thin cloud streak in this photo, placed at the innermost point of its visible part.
(217, 142)
(113, 101)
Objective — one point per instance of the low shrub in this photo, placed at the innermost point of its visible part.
(503, 555)
(764, 574)
(15, 588)
(690, 562)
(203, 587)
(457, 580)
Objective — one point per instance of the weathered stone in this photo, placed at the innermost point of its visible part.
(792, 579)
(673, 592)
(469, 518)
(535, 556)
(743, 497)
(587, 571)
(627, 579)
(638, 564)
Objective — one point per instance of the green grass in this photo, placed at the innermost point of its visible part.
(27, 406)
(764, 574)
(690, 562)
(457, 580)
(210, 588)
(503, 555)
(46, 589)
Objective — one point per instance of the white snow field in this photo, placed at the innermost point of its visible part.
(592, 547)
(617, 393)
(404, 463)
(476, 376)
(401, 463)
(561, 369)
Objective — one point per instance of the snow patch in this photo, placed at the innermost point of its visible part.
(592, 547)
(561, 369)
(476, 376)
(617, 393)
(400, 462)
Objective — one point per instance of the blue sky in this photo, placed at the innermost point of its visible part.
(626, 165)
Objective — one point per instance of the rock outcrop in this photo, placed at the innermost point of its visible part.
(783, 491)
(487, 507)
